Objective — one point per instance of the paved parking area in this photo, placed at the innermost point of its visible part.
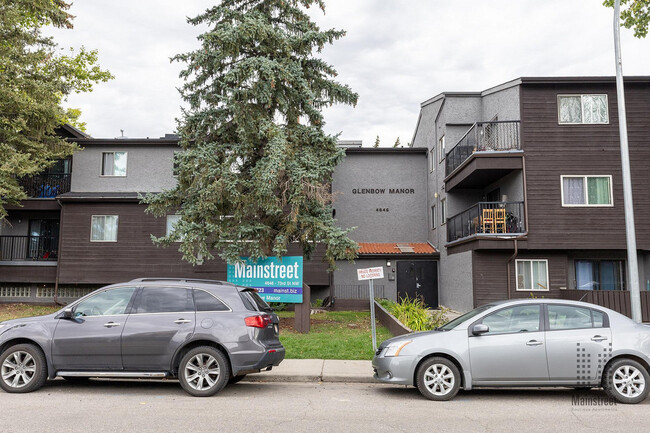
(102, 406)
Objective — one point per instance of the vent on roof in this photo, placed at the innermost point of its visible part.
(405, 248)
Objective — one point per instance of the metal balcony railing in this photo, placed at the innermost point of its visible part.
(483, 136)
(46, 185)
(487, 218)
(36, 248)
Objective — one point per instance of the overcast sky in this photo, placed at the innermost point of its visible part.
(397, 53)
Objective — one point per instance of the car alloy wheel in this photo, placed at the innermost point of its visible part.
(438, 379)
(203, 371)
(629, 381)
(626, 381)
(22, 368)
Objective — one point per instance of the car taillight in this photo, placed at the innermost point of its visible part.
(261, 321)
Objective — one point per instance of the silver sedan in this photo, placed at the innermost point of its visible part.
(533, 342)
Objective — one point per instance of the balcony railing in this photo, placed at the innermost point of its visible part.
(481, 137)
(489, 218)
(46, 185)
(36, 248)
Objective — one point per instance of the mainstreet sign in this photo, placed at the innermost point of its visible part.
(370, 273)
(275, 280)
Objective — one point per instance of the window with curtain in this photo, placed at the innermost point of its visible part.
(600, 274)
(586, 190)
(441, 147)
(532, 275)
(103, 228)
(113, 163)
(172, 220)
(582, 109)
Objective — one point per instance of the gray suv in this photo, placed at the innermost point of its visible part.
(206, 333)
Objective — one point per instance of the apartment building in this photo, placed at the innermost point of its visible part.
(525, 190)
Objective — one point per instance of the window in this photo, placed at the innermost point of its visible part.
(113, 163)
(582, 109)
(432, 159)
(600, 274)
(443, 211)
(175, 164)
(441, 148)
(522, 318)
(433, 217)
(569, 317)
(204, 301)
(586, 191)
(108, 303)
(532, 275)
(252, 301)
(103, 228)
(164, 300)
(172, 220)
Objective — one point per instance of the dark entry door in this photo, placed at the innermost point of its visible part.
(418, 278)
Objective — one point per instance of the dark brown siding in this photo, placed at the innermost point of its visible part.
(491, 278)
(553, 150)
(134, 255)
(28, 274)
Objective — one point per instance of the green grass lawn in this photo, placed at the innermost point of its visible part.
(333, 335)
(15, 311)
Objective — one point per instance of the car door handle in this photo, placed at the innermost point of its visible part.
(598, 338)
(181, 321)
(534, 343)
(111, 325)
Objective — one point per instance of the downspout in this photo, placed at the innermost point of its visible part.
(525, 234)
(58, 258)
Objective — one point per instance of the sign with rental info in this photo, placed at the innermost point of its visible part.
(276, 280)
(370, 273)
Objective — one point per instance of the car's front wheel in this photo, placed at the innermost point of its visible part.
(23, 368)
(626, 381)
(438, 379)
(203, 371)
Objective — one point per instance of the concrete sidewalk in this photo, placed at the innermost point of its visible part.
(316, 370)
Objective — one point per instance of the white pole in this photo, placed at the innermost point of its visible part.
(632, 266)
(372, 317)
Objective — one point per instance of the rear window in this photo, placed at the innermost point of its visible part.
(205, 301)
(252, 301)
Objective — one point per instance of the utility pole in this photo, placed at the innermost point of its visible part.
(630, 232)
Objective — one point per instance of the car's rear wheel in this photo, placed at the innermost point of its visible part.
(23, 368)
(438, 379)
(203, 371)
(235, 379)
(626, 381)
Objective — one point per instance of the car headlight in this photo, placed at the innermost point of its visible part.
(393, 349)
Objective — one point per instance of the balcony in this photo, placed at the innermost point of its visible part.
(46, 185)
(489, 219)
(487, 152)
(29, 248)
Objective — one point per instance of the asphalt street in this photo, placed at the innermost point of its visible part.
(102, 406)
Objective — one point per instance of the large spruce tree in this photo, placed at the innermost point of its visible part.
(35, 79)
(255, 171)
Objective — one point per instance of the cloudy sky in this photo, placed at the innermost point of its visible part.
(397, 53)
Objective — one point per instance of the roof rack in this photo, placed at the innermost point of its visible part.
(183, 280)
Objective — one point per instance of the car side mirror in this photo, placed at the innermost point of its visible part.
(480, 329)
(68, 313)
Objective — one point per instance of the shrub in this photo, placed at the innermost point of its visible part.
(317, 303)
(278, 306)
(414, 314)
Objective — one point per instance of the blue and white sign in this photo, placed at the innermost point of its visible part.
(276, 280)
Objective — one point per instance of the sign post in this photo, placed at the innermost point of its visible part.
(371, 274)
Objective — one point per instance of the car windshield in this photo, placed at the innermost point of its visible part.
(460, 319)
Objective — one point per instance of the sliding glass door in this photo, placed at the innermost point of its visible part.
(600, 274)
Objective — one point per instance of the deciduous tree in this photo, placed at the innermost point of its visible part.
(35, 79)
(635, 14)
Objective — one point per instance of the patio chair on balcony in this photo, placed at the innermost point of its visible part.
(487, 221)
(499, 220)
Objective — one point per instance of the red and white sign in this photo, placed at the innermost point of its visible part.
(370, 273)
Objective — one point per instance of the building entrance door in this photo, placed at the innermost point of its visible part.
(418, 278)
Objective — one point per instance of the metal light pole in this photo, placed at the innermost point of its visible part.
(632, 266)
